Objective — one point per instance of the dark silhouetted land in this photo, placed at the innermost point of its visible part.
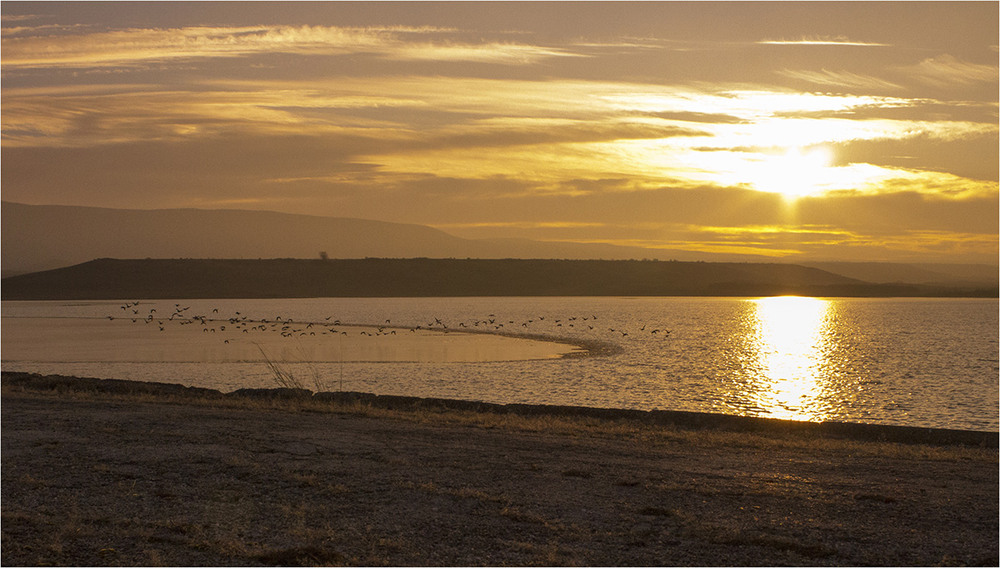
(42, 237)
(422, 277)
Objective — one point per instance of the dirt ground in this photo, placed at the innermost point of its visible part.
(105, 480)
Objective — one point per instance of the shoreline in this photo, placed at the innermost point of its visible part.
(856, 431)
(120, 473)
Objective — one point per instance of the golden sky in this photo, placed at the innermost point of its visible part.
(793, 130)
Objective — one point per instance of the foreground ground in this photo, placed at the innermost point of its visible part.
(104, 479)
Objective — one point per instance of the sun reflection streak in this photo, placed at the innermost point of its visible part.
(790, 333)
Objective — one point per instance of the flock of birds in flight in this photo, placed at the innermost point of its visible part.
(288, 327)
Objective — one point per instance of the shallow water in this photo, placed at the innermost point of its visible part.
(922, 362)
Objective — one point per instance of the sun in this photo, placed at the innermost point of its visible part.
(794, 173)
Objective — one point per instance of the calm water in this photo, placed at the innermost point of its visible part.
(923, 362)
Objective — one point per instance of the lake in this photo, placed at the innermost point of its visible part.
(917, 362)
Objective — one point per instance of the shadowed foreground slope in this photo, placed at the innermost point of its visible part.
(421, 277)
(97, 478)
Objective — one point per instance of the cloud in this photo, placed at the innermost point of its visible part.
(501, 53)
(436, 112)
(743, 102)
(237, 169)
(140, 46)
(7, 19)
(946, 70)
(844, 79)
(541, 132)
(781, 240)
(937, 185)
(890, 213)
(10, 31)
(552, 137)
(826, 236)
(823, 40)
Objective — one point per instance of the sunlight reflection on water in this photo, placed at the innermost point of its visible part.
(788, 337)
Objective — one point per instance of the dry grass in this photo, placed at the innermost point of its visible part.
(269, 482)
(286, 379)
(628, 431)
(635, 432)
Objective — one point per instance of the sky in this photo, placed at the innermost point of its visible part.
(791, 130)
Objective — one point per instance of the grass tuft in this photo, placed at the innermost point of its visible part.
(281, 376)
(286, 379)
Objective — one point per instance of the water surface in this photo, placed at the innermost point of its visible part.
(923, 362)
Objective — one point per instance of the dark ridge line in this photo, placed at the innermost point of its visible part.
(684, 419)
(426, 277)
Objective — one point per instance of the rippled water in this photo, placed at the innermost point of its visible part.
(924, 362)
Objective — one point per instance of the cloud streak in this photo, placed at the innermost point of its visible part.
(946, 70)
(839, 41)
(138, 47)
(845, 79)
(543, 132)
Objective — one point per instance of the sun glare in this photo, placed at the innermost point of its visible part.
(797, 172)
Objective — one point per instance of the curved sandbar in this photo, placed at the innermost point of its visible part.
(119, 340)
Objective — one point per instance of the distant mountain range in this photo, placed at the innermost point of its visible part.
(40, 237)
(43, 237)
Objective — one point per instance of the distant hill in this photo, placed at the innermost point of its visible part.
(38, 237)
(290, 278)
(931, 274)
(41, 237)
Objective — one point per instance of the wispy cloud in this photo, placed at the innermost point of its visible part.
(551, 137)
(939, 185)
(541, 133)
(816, 240)
(747, 104)
(845, 79)
(502, 53)
(12, 31)
(7, 18)
(823, 40)
(71, 116)
(919, 243)
(136, 47)
(947, 70)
